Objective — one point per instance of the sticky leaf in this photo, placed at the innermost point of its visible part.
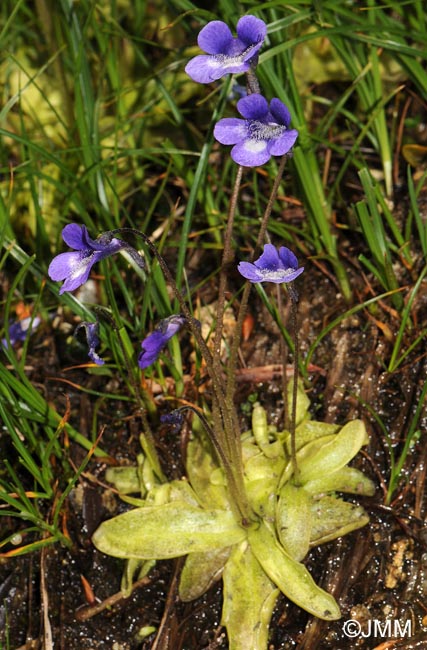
(293, 520)
(346, 479)
(249, 598)
(200, 571)
(336, 453)
(167, 531)
(332, 518)
(291, 576)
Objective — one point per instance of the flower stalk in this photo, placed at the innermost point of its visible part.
(292, 425)
(231, 375)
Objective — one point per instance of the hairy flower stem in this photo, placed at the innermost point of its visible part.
(231, 434)
(252, 83)
(224, 418)
(231, 482)
(227, 258)
(294, 325)
(283, 356)
(231, 366)
(232, 441)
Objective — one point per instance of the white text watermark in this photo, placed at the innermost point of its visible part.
(378, 629)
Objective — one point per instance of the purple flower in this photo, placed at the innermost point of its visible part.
(74, 267)
(263, 133)
(225, 53)
(154, 343)
(19, 330)
(273, 266)
(174, 418)
(91, 330)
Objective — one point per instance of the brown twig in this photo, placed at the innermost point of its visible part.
(86, 613)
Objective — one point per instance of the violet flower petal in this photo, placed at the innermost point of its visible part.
(272, 266)
(75, 236)
(74, 267)
(91, 331)
(230, 130)
(19, 330)
(78, 271)
(154, 343)
(93, 342)
(65, 264)
(287, 258)
(269, 259)
(283, 144)
(215, 37)
(251, 153)
(251, 30)
(204, 68)
(174, 418)
(263, 133)
(226, 54)
(280, 112)
(249, 271)
(253, 107)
